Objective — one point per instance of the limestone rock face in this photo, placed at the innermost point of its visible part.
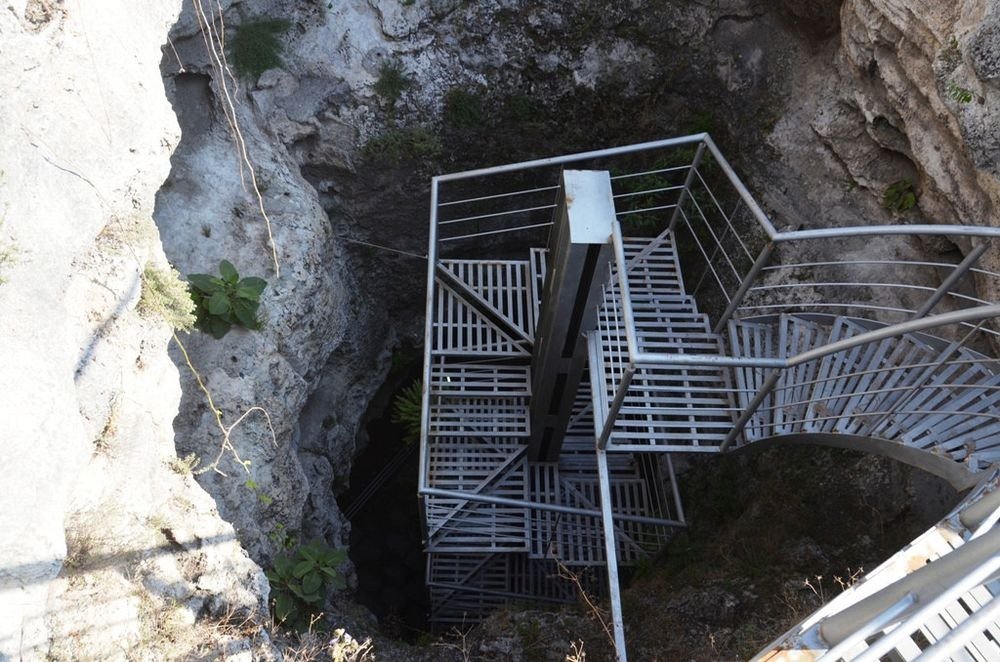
(98, 534)
(922, 75)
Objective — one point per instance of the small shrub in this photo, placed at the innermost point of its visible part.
(406, 411)
(392, 81)
(185, 465)
(166, 296)
(407, 144)
(221, 302)
(959, 94)
(302, 579)
(463, 108)
(257, 48)
(900, 196)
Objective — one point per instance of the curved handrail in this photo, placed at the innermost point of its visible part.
(644, 359)
(967, 315)
(940, 229)
(954, 317)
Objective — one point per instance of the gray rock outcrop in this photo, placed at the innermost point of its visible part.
(105, 549)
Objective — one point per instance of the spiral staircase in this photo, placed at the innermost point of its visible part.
(567, 366)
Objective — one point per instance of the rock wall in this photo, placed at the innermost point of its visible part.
(107, 546)
(864, 91)
(916, 96)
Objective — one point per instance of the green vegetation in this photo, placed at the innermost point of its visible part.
(302, 579)
(221, 302)
(396, 146)
(520, 109)
(463, 108)
(950, 55)
(392, 81)
(261, 495)
(406, 408)
(959, 94)
(257, 48)
(185, 465)
(900, 196)
(166, 296)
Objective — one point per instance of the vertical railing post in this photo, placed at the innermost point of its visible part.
(748, 281)
(425, 390)
(741, 422)
(687, 185)
(611, 556)
(956, 275)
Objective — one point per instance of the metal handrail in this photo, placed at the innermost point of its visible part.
(920, 324)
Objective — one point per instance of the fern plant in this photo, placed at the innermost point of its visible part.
(406, 411)
(226, 300)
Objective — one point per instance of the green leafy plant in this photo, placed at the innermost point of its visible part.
(407, 144)
(302, 579)
(463, 108)
(166, 296)
(899, 196)
(406, 411)
(959, 94)
(224, 300)
(392, 81)
(257, 47)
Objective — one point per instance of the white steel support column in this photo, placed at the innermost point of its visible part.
(579, 252)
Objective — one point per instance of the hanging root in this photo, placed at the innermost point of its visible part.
(215, 44)
(227, 431)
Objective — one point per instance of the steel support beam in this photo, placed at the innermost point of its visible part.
(579, 252)
(956, 275)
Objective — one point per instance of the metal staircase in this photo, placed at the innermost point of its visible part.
(704, 331)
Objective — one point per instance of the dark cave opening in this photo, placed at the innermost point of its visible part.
(386, 540)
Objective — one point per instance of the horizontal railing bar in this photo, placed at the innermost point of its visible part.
(647, 191)
(985, 272)
(852, 394)
(813, 382)
(839, 284)
(865, 414)
(965, 315)
(645, 210)
(507, 212)
(537, 505)
(483, 234)
(655, 360)
(946, 230)
(826, 304)
(840, 263)
(651, 172)
(570, 158)
(499, 195)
